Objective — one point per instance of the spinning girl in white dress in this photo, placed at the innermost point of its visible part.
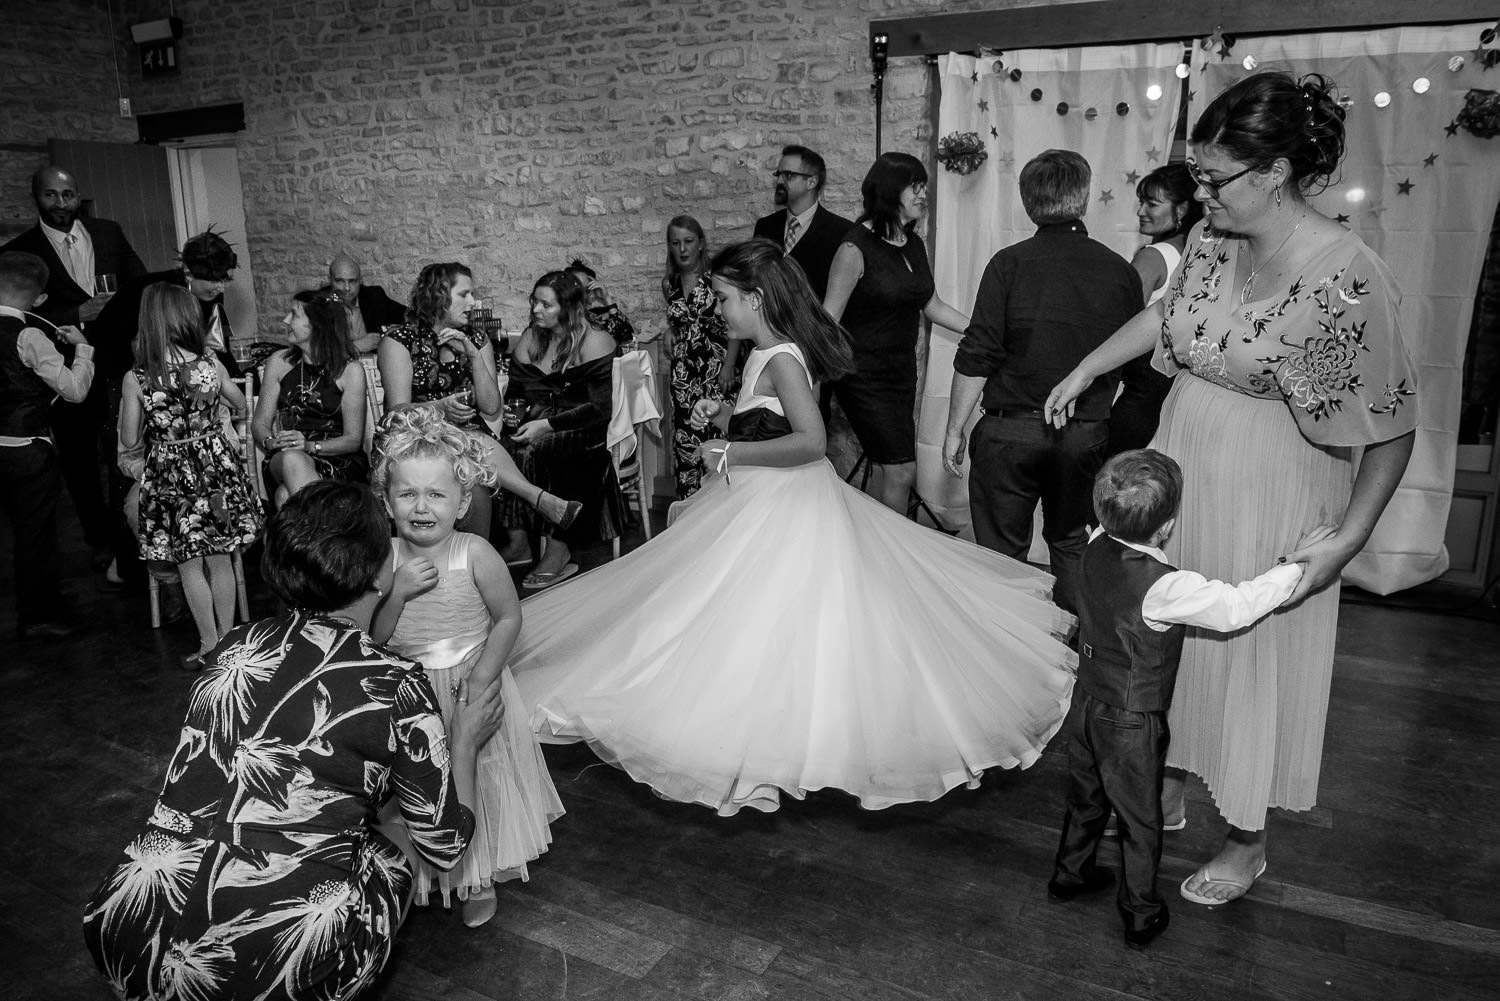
(788, 632)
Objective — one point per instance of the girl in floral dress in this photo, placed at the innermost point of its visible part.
(197, 507)
(696, 344)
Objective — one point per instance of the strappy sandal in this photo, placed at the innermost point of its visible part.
(570, 510)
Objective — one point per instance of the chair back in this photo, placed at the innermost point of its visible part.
(250, 453)
(633, 403)
(374, 398)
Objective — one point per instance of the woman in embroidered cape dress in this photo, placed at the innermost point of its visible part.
(259, 873)
(1282, 330)
(787, 632)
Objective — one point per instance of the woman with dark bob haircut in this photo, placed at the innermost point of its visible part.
(1166, 212)
(1283, 336)
(880, 287)
(435, 357)
(260, 871)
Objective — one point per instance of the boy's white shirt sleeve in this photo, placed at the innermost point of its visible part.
(1191, 599)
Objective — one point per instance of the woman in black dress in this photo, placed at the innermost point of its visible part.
(880, 287)
(310, 416)
(560, 377)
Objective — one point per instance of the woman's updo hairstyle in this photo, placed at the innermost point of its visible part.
(1272, 115)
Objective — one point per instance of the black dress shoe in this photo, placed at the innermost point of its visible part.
(1099, 879)
(1154, 927)
(44, 631)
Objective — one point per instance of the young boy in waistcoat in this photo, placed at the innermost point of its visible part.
(32, 373)
(1133, 610)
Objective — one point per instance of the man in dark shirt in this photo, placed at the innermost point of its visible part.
(1043, 305)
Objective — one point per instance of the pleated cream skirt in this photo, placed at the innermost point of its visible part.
(1249, 708)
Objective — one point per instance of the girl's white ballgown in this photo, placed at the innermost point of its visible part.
(789, 633)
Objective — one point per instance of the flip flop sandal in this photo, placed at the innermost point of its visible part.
(1197, 897)
(541, 581)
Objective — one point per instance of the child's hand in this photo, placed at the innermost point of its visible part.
(704, 411)
(69, 334)
(1323, 555)
(711, 454)
(415, 576)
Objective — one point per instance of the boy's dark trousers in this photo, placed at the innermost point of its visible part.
(1116, 757)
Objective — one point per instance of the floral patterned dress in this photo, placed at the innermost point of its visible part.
(195, 497)
(434, 374)
(1269, 400)
(259, 873)
(699, 339)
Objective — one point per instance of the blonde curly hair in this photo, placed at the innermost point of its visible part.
(420, 432)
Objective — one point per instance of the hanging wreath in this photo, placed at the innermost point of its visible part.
(1480, 114)
(961, 152)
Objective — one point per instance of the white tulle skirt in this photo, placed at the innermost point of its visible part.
(788, 633)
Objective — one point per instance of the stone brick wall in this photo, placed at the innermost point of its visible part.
(512, 136)
(57, 82)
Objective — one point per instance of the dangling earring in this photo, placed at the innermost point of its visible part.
(1278, 196)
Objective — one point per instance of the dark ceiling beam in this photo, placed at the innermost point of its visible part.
(1114, 22)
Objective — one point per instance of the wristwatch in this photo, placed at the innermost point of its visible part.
(317, 448)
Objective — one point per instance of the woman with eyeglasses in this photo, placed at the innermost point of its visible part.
(880, 287)
(1283, 337)
(1167, 212)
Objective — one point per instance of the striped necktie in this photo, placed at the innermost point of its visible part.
(793, 230)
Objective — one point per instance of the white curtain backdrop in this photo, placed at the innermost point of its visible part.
(977, 214)
(1424, 201)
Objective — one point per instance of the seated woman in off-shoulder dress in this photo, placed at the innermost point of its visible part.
(560, 384)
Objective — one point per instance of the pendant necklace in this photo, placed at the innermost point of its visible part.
(1245, 292)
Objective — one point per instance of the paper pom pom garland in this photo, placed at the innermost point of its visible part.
(961, 152)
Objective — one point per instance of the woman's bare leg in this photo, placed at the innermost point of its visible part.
(293, 470)
(891, 485)
(510, 479)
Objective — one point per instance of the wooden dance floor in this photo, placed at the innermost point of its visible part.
(1386, 891)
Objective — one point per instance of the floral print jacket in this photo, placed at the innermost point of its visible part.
(260, 872)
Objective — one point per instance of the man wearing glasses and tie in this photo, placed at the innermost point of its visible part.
(808, 232)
